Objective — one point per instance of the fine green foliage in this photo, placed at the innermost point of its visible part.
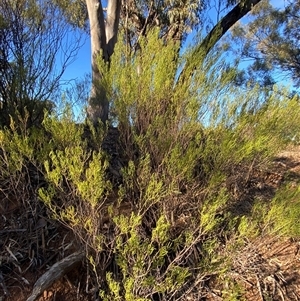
(76, 176)
(283, 216)
(160, 230)
(182, 142)
(141, 261)
(279, 217)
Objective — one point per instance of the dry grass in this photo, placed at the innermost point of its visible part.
(268, 268)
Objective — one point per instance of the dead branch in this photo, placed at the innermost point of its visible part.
(57, 271)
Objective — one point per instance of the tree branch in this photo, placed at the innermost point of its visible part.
(217, 32)
(57, 271)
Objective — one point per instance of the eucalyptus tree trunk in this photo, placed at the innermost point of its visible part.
(103, 31)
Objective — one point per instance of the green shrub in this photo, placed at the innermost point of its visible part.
(282, 217)
(160, 230)
(76, 175)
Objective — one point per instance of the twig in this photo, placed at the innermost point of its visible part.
(259, 289)
(12, 230)
(2, 283)
(249, 171)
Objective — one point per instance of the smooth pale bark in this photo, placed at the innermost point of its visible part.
(103, 39)
(112, 22)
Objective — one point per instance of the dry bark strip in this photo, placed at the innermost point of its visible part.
(57, 271)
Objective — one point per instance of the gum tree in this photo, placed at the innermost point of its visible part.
(174, 19)
(103, 32)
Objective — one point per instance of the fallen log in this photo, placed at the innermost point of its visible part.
(57, 271)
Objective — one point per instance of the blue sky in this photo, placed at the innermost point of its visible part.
(82, 62)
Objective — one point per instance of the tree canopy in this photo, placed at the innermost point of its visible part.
(271, 41)
(33, 41)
